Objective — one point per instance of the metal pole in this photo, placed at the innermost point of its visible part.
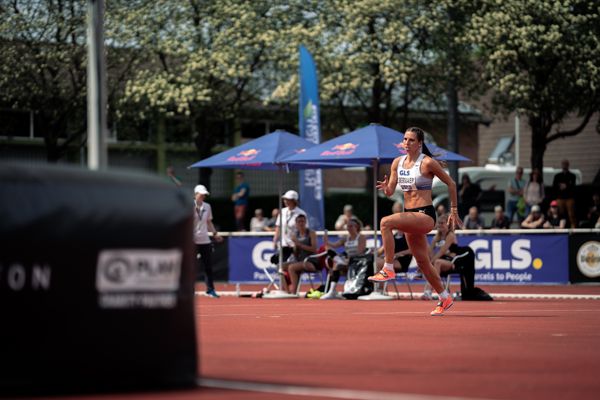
(517, 139)
(96, 85)
(280, 190)
(375, 171)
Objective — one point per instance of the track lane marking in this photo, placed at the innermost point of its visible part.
(311, 391)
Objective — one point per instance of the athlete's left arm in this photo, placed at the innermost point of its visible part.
(436, 169)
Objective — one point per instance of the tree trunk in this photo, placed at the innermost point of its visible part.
(452, 128)
(538, 142)
(204, 143)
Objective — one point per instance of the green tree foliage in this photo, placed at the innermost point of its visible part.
(542, 59)
(43, 67)
(44, 61)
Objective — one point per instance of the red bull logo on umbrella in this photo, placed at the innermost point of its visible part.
(400, 148)
(341, 150)
(244, 155)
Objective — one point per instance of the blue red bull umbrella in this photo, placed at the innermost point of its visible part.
(363, 146)
(265, 153)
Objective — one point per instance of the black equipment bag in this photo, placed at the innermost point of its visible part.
(359, 269)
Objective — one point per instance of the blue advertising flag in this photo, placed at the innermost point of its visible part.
(309, 123)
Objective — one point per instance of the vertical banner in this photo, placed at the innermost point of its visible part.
(309, 123)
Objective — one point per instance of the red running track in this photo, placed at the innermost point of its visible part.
(300, 348)
(498, 350)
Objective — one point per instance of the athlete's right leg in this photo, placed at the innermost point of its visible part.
(406, 222)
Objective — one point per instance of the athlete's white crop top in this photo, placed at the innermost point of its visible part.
(411, 179)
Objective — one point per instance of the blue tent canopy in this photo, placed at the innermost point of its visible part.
(365, 145)
(265, 153)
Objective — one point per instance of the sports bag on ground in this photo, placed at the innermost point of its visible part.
(359, 269)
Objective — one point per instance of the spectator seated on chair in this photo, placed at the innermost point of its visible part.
(463, 263)
(305, 244)
(439, 251)
(535, 219)
(473, 219)
(555, 219)
(355, 243)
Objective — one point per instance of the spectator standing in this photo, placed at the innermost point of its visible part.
(555, 219)
(534, 190)
(202, 226)
(240, 196)
(516, 187)
(258, 222)
(473, 219)
(172, 177)
(271, 222)
(500, 220)
(534, 220)
(342, 221)
(288, 214)
(469, 194)
(564, 188)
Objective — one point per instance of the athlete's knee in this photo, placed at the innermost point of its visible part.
(386, 223)
(422, 260)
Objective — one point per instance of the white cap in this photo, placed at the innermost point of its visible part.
(498, 208)
(201, 189)
(348, 207)
(291, 195)
(536, 208)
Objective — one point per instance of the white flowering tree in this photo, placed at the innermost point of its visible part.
(368, 58)
(541, 58)
(205, 59)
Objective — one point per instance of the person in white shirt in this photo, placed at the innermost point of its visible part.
(288, 216)
(258, 223)
(202, 226)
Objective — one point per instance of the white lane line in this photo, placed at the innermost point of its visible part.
(405, 295)
(311, 391)
(501, 313)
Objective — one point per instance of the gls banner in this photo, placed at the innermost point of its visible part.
(511, 259)
(309, 123)
(520, 258)
(248, 256)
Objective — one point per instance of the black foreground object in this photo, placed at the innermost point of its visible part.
(96, 281)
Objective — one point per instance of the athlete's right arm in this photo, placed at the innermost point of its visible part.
(389, 185)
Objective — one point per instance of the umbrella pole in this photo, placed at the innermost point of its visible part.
(375, 171)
